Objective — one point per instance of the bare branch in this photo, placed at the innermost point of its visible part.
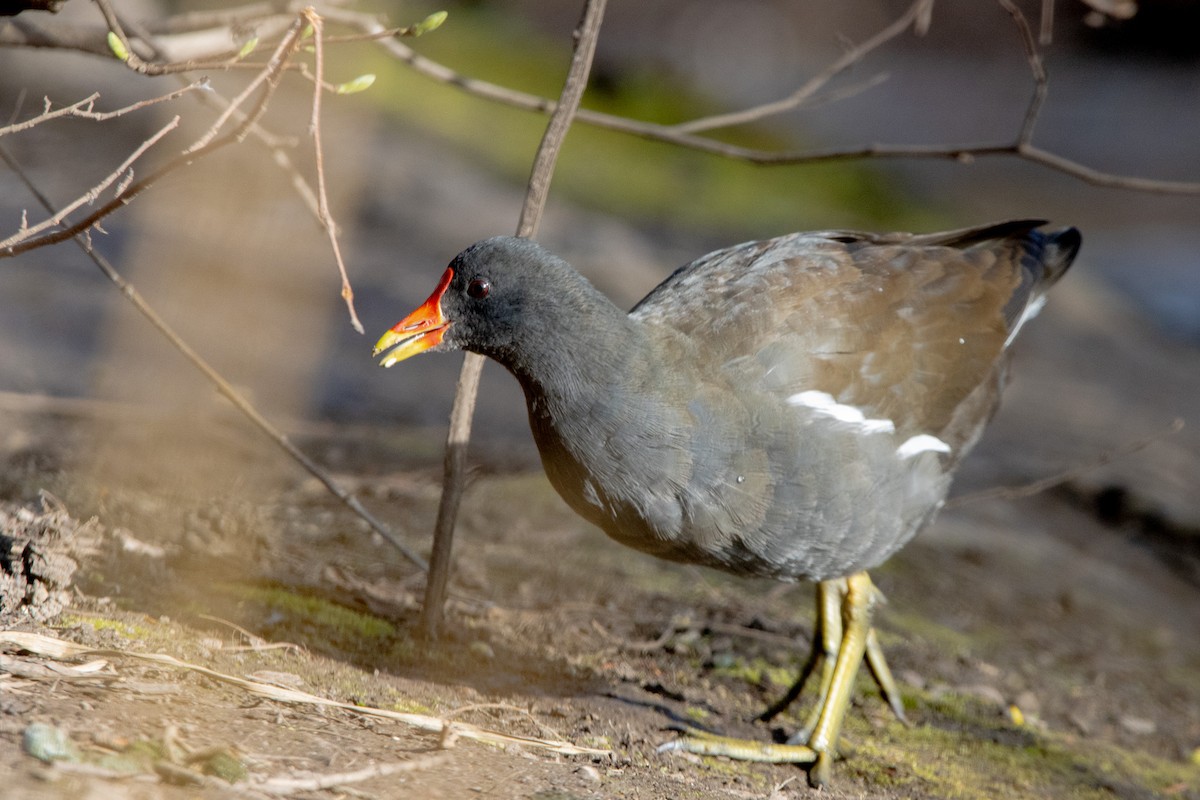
(273, 74)
(92, 194)
(1046, 31)
(268, 79)
(178, 43)
(274, 144)
(77, 109)
(269, 75)
(586, 37)
(90, 39)
(175, 53)
(1107, 180)
(1038, 70)
(135, 62)
(587, 34)
(83, 108)
(671, 135)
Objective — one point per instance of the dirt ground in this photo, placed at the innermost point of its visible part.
(1046, 644)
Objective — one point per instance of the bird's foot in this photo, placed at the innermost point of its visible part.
(828, 636)
(843, 641)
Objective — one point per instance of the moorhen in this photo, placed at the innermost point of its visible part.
(791, 408)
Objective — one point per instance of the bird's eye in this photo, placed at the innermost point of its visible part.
(479, 288)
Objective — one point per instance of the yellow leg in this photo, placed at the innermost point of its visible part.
(827, 638)
(827, 642)
(857, 608)
(843, 638)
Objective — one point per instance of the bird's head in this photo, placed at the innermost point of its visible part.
(486, 301)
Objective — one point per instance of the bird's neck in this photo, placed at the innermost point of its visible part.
(577, 352)
(592, 395)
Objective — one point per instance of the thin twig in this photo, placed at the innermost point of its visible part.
(324, 213)
(545, 729)
(186, 158)
(1036, 68)
(268, 76)
(317, 203)
(223, 386)
(798, 98)
(257, 643)
(1046, 31)
(1066, 476)
(92, 194)
(83, 109)
(227, 60)
(586, 37)
(454, 465)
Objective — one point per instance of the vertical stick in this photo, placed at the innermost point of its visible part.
(587, 33)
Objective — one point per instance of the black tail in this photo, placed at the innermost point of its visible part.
(1058, 250)
(1045, 258)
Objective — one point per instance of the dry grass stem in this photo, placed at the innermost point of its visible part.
(50, 647)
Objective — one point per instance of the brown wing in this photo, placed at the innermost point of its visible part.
(904, 328)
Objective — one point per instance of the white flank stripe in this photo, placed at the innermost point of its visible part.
(823, 403)
(922, 443)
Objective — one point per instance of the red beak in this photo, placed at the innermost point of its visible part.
(419, 331)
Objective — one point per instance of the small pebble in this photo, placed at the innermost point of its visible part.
(1139, 726)
(48, 743)
(588, 773)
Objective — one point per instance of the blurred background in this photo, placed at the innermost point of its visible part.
(417, 170)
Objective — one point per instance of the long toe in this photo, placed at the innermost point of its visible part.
(883, 676)
(703, 743)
